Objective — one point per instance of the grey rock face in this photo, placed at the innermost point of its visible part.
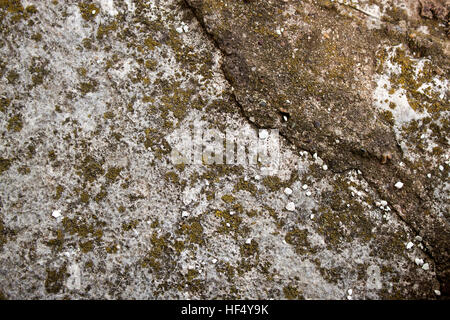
(95, 95)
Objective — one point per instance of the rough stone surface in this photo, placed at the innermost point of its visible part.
(93, 95)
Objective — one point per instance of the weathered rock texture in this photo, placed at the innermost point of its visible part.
(93, 94)
(316, 62)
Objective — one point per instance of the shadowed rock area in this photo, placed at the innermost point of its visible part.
(94, 96)
(314, 62)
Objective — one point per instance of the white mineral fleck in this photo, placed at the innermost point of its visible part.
(290, 206)
(418, 261)
(426, 266)
(288, 191)
(325, 167)
(248, 241)
(308, 193)
(304, 187)
(409, 245)
(437, 292)
(56, 214)
(263, 134)
(399, 185)
(185, 214)
(350, 292)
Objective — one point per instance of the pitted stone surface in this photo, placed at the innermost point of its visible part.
(93, 95)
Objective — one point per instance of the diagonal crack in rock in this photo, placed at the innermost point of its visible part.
(316, 88)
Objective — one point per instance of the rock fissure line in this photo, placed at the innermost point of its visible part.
(428, 252)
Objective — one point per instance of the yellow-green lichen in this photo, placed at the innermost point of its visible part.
(193, 230)
(101, 195)
(84, 197)
(273, 183)
(249, 249)
(24, 170)
(108, 115)
(172, 177)
(298, 238)
(2, 234)
(229, 222)
(4, 103)
(151, 43)
(15, 123)
(4, 164)
(55, 279)
(292, 293)
(113, 173)
(59, 192)
(87, 87)
(88, 10)
(127, 226)
(87, 246)
(105, 30)
(90, 169)
(228, 198)
(12, 77)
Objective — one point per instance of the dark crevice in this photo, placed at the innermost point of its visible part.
(373, 186)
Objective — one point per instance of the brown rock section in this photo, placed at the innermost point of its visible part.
(435, 9)
(309, 64)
